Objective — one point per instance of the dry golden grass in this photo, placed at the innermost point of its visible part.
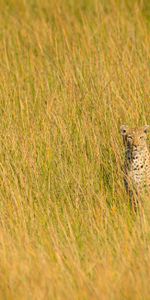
(71, 72)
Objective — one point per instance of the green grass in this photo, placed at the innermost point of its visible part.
(71, 72)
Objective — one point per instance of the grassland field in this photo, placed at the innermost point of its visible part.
(71, 72)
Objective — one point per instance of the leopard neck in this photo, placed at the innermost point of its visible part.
(137, 153)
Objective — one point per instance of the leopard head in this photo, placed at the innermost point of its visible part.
(134, 138)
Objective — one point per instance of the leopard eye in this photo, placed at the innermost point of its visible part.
(141, 137)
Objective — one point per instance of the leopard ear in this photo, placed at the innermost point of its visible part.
(123, 129)
(146, 128)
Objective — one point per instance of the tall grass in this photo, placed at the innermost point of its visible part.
(71, 72)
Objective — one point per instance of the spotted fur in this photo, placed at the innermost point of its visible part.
(137, 162)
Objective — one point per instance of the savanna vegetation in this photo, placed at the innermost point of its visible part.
(71, 72)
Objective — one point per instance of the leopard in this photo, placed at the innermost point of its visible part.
(136, 163)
